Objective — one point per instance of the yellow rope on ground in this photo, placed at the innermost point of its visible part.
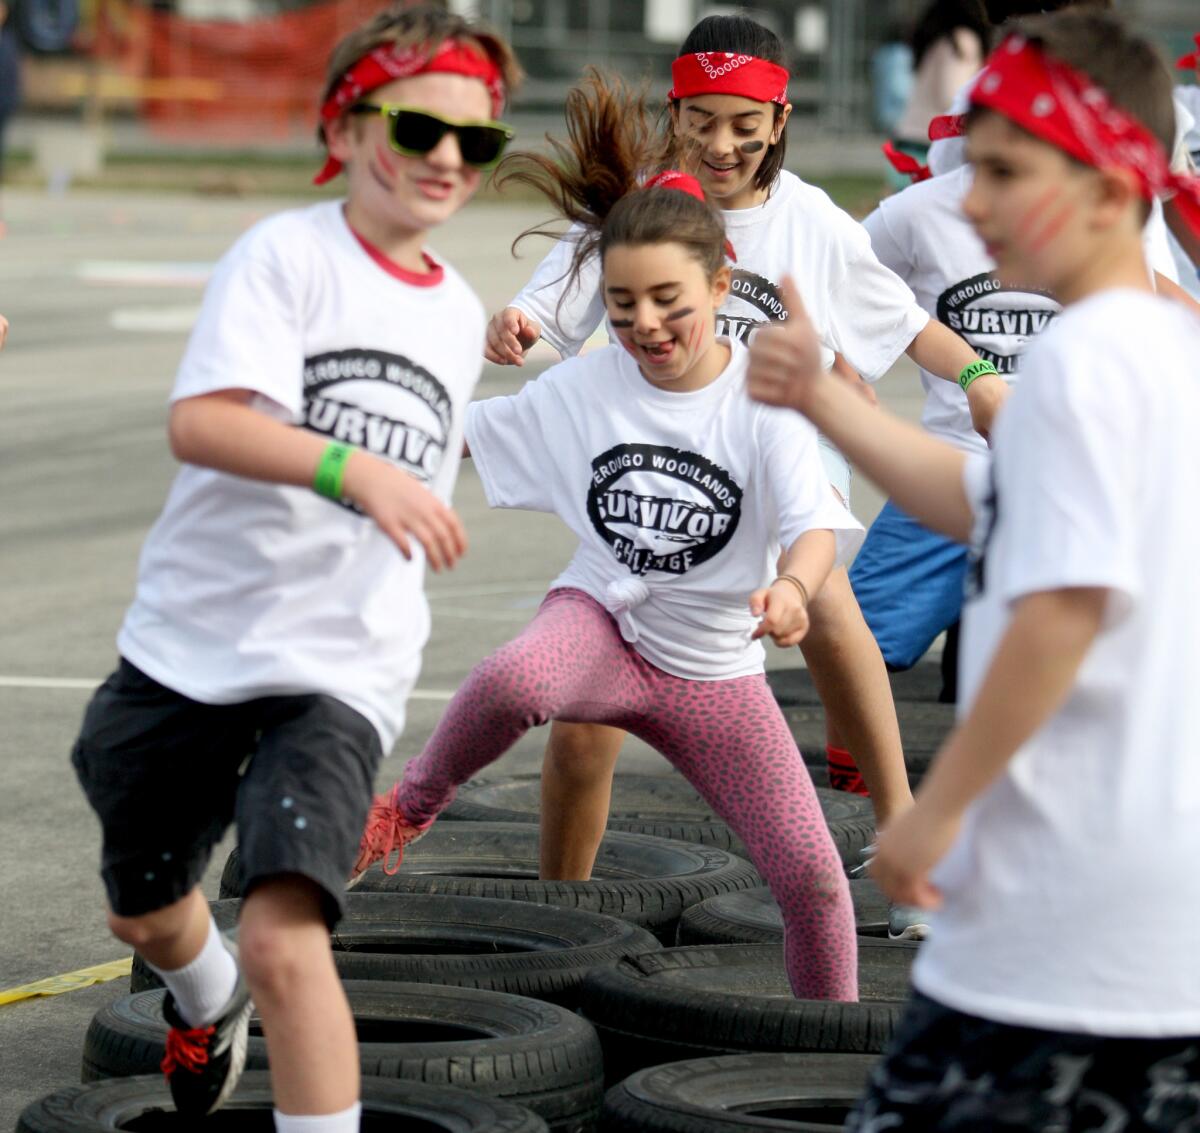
(57, 985)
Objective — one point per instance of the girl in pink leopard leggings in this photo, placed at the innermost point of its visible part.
(682, 492)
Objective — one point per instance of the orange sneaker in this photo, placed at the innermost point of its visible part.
(387, 830)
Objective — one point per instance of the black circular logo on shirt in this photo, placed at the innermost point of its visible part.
(662, 508)
(996, 321)
(753, 302)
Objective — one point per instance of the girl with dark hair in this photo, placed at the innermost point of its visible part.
(728, 110)
(682, 493)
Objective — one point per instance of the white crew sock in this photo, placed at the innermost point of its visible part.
(203, 988)
(344, 1122)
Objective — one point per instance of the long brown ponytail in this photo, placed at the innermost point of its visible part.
(593, 180)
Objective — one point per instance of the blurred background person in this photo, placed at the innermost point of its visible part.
(949, 43)
(10, 87)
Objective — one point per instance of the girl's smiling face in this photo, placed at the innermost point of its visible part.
(731, 136)
(662, 306)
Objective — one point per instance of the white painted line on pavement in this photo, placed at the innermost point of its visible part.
(85, 683)
(46, 682)
(153, 320)
(145, 273)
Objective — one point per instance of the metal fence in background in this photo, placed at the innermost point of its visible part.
(236, 69)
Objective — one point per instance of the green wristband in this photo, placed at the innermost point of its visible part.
(327, 480)
(973, 371)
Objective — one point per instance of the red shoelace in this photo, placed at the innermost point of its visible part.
(187, 1049)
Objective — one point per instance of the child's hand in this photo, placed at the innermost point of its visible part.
(510, 334)
(402, 506)
(985, 396)
(913, 844)
(783, 613)
(785, 358)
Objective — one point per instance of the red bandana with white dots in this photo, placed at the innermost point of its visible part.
(1063, 107)
(721, 72)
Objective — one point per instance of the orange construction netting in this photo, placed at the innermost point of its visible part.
(227, 80)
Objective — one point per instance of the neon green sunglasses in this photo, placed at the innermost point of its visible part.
(414, 132)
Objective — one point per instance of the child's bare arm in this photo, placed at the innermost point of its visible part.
(942, 352)
(783, 606)
(923, 476)
(1030, 676)
(221, 430)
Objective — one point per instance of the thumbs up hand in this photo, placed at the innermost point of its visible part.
(785, 358)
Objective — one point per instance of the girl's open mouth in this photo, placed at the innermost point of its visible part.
(658, 352)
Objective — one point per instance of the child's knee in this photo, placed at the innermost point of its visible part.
(512, 687)
(147, 930)
(813, 888)
(281, 934)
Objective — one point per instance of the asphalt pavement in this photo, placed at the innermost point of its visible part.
(100, 291)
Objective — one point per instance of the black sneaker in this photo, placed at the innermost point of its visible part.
(203, 1064)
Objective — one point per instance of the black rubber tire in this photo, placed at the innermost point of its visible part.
(920, 740)
(647, 881)
(751, 916)
(523, 1050)
(145, 1103)
(733, 999)
(476, 942)
(666, 806)
(923, 682)
(808, 1092)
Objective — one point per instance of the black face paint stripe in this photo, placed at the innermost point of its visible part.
(753, 147)
(682, 313)
(621, 324)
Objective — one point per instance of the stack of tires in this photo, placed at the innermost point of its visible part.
(653, 997)
(924, 719)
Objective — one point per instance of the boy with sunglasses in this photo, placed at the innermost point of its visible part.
(279, 617)
(1057, 831)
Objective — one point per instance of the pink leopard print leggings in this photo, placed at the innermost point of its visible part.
(728, 738)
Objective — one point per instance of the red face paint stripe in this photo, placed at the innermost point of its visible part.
(1051, 228)
(382, 156)
(1034, 215)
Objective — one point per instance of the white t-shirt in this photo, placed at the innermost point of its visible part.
(1186, 158)
(923, 236)
(250, 589)
(1072, 894)
(1187, 122)
(681, 501)
(857, 306)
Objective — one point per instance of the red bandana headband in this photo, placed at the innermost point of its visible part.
(1063, 107)
(684, 183)
(719, 72)
(390, 62)
(905, 163)
(1192, 60)
(947, 126)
